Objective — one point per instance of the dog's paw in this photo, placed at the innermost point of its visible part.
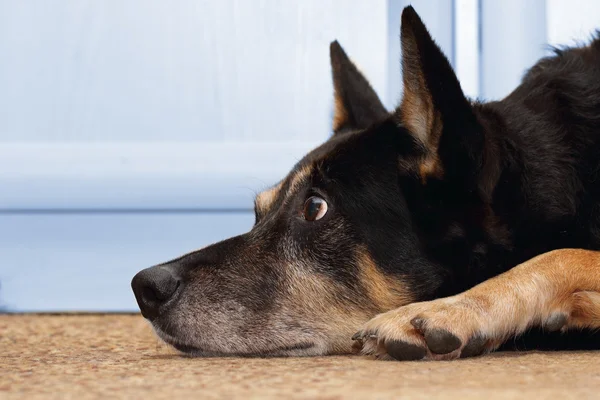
(442, 329)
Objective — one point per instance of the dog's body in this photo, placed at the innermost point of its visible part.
(399, 209)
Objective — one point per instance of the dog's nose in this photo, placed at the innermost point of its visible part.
(153, 287)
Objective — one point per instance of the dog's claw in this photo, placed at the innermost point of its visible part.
(361, 335)
(417, 323)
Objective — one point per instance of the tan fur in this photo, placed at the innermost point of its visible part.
(430, 167)
(317, 301)
(417, 112)
(422, 167)
(298, 178)
(385, 292)
(265, 199)
(340, 114)
(416, 109)
(564, 282)
(586, 307)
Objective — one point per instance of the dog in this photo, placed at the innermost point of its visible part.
(436, 231)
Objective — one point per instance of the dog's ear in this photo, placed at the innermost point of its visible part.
(356, 103)
(434, 108)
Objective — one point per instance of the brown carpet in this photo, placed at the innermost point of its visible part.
(110, 356)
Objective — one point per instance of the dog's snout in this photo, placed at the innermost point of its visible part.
(152, 288)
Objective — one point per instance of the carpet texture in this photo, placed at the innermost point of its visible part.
(117, 356)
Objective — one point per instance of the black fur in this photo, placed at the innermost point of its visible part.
(354, 93)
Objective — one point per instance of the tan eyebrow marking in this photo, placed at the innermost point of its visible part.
(265, 199)
(298, 178)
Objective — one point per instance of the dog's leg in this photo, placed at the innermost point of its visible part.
(558, 290)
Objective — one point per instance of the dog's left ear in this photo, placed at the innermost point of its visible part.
(357, 106)
(434, 108)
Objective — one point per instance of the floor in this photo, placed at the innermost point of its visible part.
(117, 356)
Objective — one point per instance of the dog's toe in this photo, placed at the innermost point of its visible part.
(440, 341)
(403, 351)
(427, 330)
(476, 346)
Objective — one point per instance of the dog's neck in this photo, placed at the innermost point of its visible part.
(487, 228)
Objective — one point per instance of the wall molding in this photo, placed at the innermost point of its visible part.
(160, 175)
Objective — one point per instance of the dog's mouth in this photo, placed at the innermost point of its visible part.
(295, 349)
(276, 352)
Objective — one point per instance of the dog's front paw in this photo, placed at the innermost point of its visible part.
(443, 329)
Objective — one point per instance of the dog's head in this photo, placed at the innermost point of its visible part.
(347, 234)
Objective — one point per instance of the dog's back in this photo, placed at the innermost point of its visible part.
(548, 128)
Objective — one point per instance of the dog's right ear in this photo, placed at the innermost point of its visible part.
(356, 103)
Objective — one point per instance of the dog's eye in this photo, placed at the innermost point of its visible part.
(314, 208)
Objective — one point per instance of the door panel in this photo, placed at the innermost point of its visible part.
(137, 70)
